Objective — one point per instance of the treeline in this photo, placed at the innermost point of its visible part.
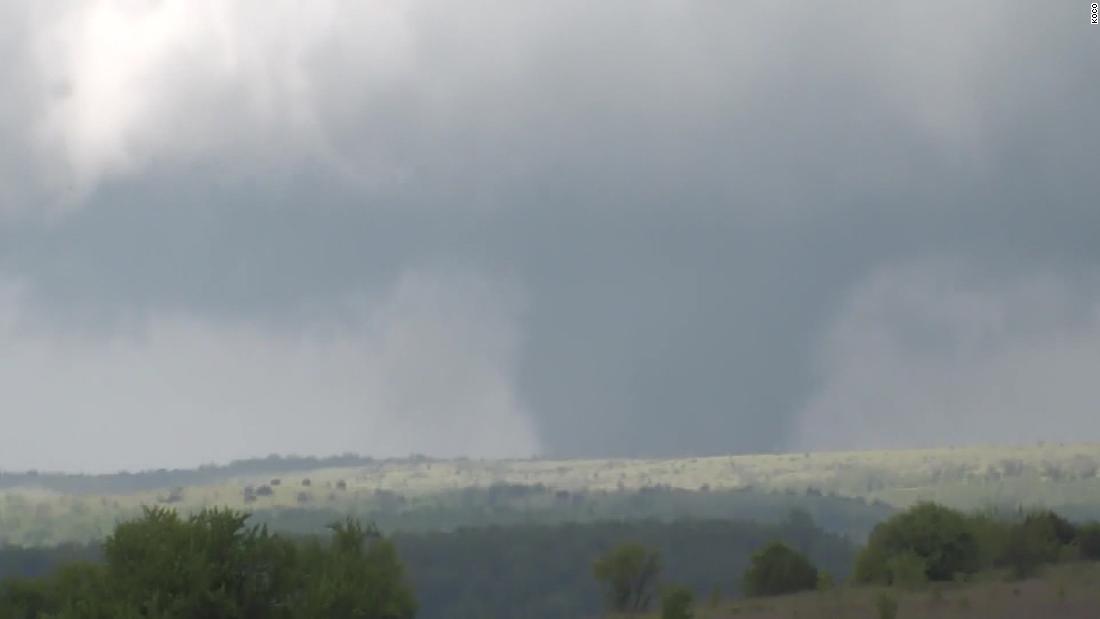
(521, 572)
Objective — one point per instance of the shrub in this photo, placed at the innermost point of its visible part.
(940, 537)
(676, 603)
(991, 532)
(825, 581)
(1088, 541)
(1069, 553)
(1026, 550)
(1042, 537)
(777, 569)
(628, 572)
(907, 570)
(886, 605)
(1051, 526)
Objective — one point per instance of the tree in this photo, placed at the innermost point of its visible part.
(629, 572)
(940, 537)
(212, 565)
(207, 565)
(777, 569)
(357, 576)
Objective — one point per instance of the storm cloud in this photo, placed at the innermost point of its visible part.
(505, 228)
(356, 382)
(935, 352)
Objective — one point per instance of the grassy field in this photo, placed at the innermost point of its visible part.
(1060, 476)
(1068, 591)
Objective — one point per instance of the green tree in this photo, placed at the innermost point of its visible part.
(940, 537)
(777, 569)
(356, 576)
(629, 573)
(211, 565)
(207, 565)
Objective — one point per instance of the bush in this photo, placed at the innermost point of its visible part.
(776, 569)
(825, 581)
(1042, 537)
(676, 603)
(1051, 526)
(1025, 551)
(1088, 541)
(940, 537)
(886, 605)
(628, 572)
(907, 570)
(990, 531)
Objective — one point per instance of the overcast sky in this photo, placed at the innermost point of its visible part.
(570, 228)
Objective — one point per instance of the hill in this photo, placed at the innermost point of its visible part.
(845, 491)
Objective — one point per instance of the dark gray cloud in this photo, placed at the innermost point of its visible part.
(652, 228)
